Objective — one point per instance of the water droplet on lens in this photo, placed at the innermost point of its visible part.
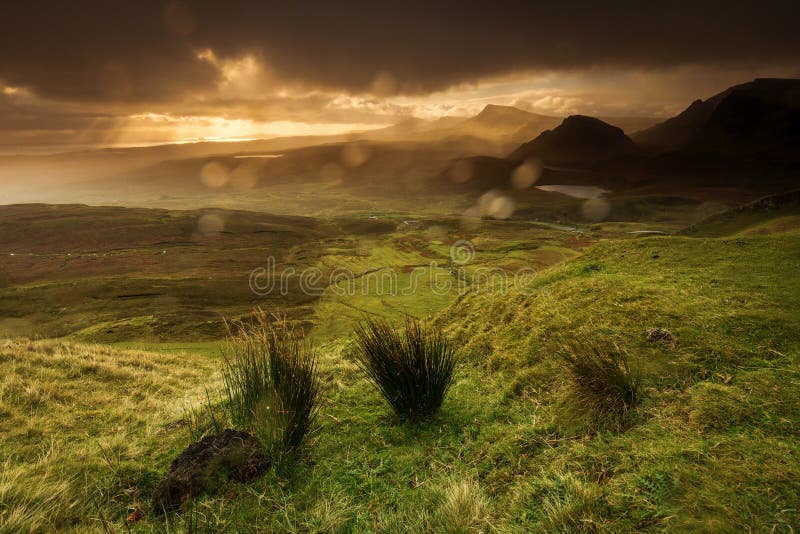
(526, 174)
(210, 223)
(596, 209)
(214, 175)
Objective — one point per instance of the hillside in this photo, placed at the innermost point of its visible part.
(578, 151)
(725, 391)
(85, 429)
(31, 178)
(629, 125)
(120, 274)
(746, 137)
(388, 268)
(761, 117)
(676, 131)
(710, 443)
(712, 446)
(510, 122)
(111, 273)
(577, 141)
(773, 213)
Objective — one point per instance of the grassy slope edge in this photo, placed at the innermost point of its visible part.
(712, 447)
(85, 430)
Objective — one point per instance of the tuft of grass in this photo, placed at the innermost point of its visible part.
(271, 385)
(603, 384)
(464, 509)
(572, 505)
(412, 368)
(29, 506)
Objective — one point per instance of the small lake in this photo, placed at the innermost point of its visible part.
(575, 191)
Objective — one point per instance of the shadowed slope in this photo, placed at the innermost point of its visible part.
(579, 140)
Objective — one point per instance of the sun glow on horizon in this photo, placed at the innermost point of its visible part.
(157, 128)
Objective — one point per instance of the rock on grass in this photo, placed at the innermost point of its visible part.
(208, 464)
(661, 335)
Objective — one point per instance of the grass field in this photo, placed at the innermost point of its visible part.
(110, 274)
(85, 428)
(712, 446)
(115, 274)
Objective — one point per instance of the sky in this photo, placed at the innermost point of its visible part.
(95, 73)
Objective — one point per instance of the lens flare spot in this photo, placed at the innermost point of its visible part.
(436, 234)
(355, 155)
(214, 175)
(471, 218)
(210, 223)
(244, 177)
(495, 205)
(485, 200)
(526, 175)
(501, 208)
(596, 209)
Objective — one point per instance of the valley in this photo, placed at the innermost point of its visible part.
(515, 235)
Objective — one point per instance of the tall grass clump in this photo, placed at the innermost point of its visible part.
(603, 383)
(271, 384)
(464, 509)
(412, 368)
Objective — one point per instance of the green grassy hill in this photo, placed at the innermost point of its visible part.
(113, 274)
(86, 429)
(713, 445)
(109, 274)
(774, 213)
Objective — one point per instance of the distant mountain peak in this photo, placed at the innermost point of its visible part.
(506, 122)
(491, 107)
(585, 121)
(758, 116)
(495, 114)
(579, 139)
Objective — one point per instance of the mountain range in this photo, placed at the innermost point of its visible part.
(761, 117)
(748, 134)
(502, 125)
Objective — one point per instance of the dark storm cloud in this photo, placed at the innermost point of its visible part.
(96, 50)
(147, 51)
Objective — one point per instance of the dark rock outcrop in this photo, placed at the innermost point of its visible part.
(208, 464)
(578, 141)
